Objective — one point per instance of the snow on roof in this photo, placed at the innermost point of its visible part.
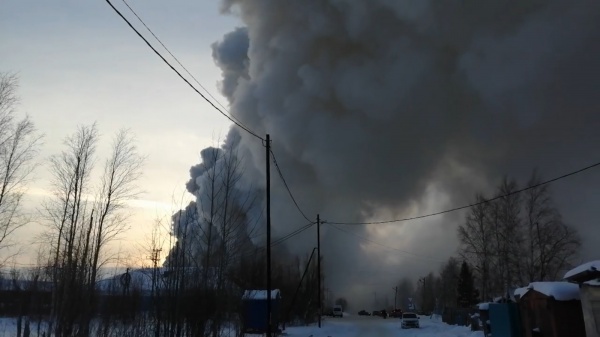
(260, 294)
(593, 283)
(484, 306)
(520, 291)
(589, 266)
(561, 291)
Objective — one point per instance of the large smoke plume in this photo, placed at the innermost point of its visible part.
(391, 108)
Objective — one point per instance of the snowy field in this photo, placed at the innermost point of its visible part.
(360, 326)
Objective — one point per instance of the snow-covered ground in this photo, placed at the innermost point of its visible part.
(357, 326)
(349, 326)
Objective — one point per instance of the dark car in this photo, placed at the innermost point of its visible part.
(381, 313)
(396, 313)
(364, 313)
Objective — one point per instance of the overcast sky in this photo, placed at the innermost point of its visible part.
(78, 63)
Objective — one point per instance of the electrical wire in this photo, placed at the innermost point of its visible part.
(469, 205)
(287, 187)
(291, 235)
(181, 76)
(283, 238)
(177, 60)
(385, 246)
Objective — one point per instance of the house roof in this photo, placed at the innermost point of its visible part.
(585, 272)
(260, 294)
(561, 291)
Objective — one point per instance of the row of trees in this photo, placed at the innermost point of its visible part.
(86, 211)
(452, 287)
(212, 256)
(517, 238)
(513, 239)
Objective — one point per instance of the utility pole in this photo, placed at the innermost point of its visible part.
(319, 266)
(268, 174)
(395, 296)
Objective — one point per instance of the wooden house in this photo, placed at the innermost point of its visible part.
(587, 277)
(550, 309)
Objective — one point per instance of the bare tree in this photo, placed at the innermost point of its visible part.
(19, 143)
(82, 219)
(476, 236)
(70, 219)
(549, 244)
(516, 239)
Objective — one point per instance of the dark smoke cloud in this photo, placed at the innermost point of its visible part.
(389, 108)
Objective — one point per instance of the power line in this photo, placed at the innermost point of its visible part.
(176, 59)
(181, 76)
(470, 205)
(287, 187)
(285, 237)
(292, 234)
(385, 246)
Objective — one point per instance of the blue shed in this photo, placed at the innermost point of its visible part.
(254, 310)
(505, 320)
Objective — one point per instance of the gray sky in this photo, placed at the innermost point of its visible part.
(78, 62)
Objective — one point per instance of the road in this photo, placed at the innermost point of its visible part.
(361, 326)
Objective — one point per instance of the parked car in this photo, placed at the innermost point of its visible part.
(338, 311)
(396, 313)
(380, 313)
(364, 313)
(410, 320)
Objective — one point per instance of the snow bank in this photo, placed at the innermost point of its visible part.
(561, 291)
(589, 266)
(259, 294)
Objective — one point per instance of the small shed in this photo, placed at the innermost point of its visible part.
(550, 309)
(504, 320)
(587, 276)
(254, 310)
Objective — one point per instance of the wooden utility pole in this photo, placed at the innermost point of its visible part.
(268, 174)
(395, 296)
(319, 267)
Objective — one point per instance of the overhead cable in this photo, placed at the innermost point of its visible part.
(385, 246)
(181, 76)
(176, 59)
(287, 187)
(469, 205)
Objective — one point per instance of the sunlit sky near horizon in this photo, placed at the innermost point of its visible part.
(79, 63)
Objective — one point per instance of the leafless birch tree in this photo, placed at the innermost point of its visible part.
(549, 244)
(19, 144)
(83, 218)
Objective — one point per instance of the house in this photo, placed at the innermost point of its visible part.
(587, 277)
(550, 309)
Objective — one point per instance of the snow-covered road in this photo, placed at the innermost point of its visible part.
(356, 326)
